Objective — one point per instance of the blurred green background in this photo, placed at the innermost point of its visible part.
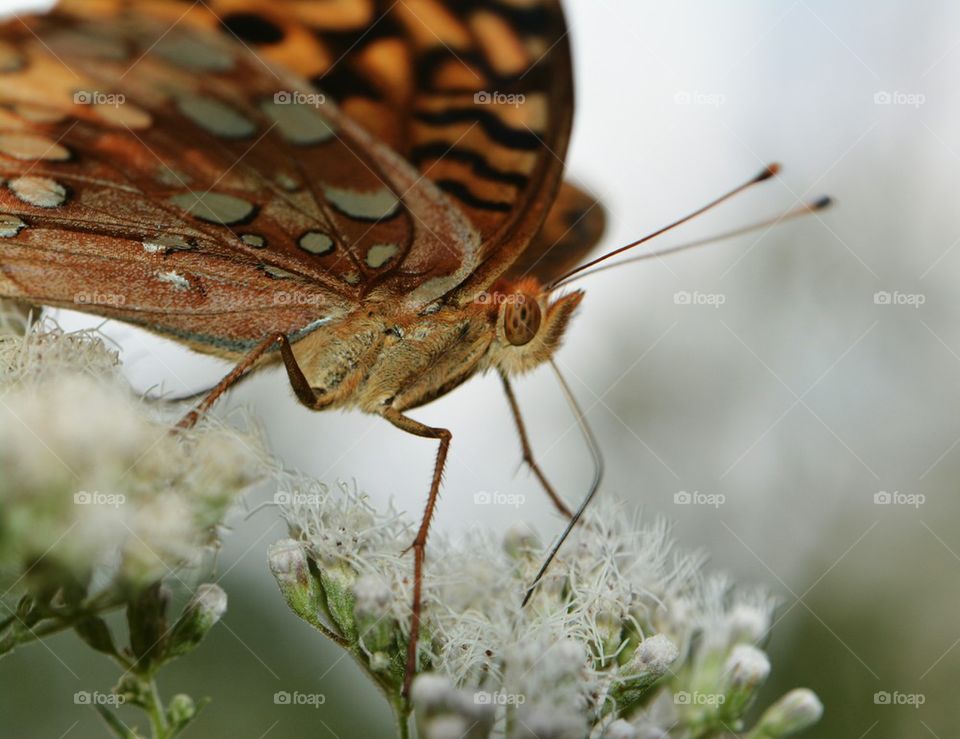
(802, 399)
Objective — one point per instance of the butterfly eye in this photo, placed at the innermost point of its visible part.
(521, 320)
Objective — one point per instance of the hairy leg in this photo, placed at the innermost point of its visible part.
(420, 542)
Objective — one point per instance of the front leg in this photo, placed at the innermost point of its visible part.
(420, 542)
(298, 381)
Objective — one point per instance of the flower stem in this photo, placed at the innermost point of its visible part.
(402, 715)
(158, 718)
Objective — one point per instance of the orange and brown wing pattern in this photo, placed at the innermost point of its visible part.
(573, 228)
(477, 94)
(202, 191)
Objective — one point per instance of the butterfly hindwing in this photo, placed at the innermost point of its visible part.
(574, 226)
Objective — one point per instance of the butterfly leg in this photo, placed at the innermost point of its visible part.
(528, 450)
(420, 542)
(237, 374)
(298, 381)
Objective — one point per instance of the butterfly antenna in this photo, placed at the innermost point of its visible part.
(802, 210)
(770, 171)
(594, 485)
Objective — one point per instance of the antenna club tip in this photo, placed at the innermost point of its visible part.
(772, 170)
(822, 203)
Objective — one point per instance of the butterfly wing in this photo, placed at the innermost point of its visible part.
(477, 96)
(573, 228)
(162, 174)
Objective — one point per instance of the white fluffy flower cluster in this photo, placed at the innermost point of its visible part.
(96, 492)
(625, 637)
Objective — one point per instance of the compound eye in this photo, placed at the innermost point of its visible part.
(521, 320)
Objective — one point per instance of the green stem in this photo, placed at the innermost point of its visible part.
(402, 715)
(115, 724)
(158, 717)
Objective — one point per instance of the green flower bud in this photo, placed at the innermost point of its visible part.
(131, 689)
(200, 615)
(291, 569)
(372, 603)
(147, 621)
(797, 710)
(649, 663)
(95, 632)
(746, 670)
(181, 711)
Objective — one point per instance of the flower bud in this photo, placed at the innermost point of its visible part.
(648, 664)
(181, 711)
(131, 689)
(748, 624)
(746, 670)
(147, 622)
(797, 710)
(657, 653)
(372, 601)
(200, 615)
(290, 568)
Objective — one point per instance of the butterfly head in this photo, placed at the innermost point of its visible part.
(529, 322)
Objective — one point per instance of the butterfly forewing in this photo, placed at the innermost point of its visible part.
(210, 194)
(476, 94)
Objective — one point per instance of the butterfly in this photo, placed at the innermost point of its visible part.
(369, 192)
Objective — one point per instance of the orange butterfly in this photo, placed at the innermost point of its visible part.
(169, 164)
(175, 165)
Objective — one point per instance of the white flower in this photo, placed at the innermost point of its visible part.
(94, 484)
(621, 626)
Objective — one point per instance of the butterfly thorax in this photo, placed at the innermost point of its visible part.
(378, 358)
